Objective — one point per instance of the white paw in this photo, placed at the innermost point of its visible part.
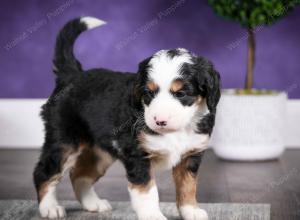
(96, 205)
(189, 212)
(52, 211)
(154, 215)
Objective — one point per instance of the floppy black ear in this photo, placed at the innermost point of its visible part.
(209, 83)
(140, 82)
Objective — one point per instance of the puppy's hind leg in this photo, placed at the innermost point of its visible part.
(90, 166)
(54, 160)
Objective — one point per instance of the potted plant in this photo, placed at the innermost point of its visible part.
(250, 122)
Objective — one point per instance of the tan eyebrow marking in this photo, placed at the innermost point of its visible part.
(152, 86)
(176, 85)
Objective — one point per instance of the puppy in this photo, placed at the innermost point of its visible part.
(160, 118)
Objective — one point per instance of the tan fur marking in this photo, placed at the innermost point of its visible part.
(69, 157)
(86, 166)
(201, 102)
(186, 185)
(44, 187)
(146, 187)
(176, 85)
(154, 156)
(190, 153)
(92, 163)
(143, 188)
(105, 160)
(69, 161)
(152, 86)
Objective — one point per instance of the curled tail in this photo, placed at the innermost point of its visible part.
(65, 63)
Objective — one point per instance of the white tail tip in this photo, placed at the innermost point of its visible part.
(92, 22)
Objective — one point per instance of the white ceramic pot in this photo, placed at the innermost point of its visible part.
(250, 127)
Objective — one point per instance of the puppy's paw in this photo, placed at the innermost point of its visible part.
(96, 205)
(151, 215)
(52, 211)
(189, 212)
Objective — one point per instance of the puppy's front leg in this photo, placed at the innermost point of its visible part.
(185, 177)
(143, 192)
(145, 201)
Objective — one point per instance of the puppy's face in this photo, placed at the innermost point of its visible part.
(170, 87)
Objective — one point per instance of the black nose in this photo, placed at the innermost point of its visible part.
(161, 123)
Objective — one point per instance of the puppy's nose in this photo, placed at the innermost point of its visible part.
(160, 122)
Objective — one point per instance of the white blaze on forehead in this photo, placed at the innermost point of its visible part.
(164, 69)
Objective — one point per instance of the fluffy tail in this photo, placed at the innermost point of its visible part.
(64, 61)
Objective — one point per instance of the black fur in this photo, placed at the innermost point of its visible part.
(208, 80)
(100, 105)
(193, 162)
(140, 84)
(202, 79)
(65, 63)
(174, 52)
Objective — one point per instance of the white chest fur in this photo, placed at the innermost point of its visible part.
(172, 146)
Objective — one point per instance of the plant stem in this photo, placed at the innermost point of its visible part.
(251, 59)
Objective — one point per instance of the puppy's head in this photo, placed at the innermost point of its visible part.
(170, 87)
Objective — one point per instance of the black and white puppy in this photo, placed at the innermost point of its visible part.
(160, 118)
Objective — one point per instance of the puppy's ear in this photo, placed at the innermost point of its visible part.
(140, 82)
(209, 82)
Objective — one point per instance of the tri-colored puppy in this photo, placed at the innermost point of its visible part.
(160, 118)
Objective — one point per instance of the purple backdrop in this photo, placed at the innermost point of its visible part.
(135, 30)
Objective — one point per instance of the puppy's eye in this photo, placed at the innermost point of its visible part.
(150, 93)
(180, 94)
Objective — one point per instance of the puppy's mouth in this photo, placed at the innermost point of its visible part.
(164, 130)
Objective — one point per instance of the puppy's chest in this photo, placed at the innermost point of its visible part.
(167, 150)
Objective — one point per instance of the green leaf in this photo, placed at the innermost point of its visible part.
(253, 13)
